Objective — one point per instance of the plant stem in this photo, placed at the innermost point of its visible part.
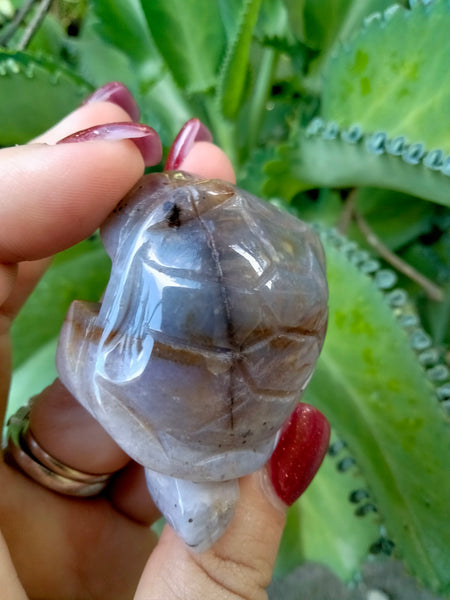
(34, 24)
(16, 22)
(346, 215)
(259, 98)
(433, 291)
(350, 212)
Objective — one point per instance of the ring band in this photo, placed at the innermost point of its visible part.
(24, 451)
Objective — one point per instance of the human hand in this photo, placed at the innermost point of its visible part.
(54, 196)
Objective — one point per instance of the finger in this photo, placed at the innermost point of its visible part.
(207, 160)
(69, 548)
(30, 272)
(9, 582)
(54, 196)
(129, 494)
(66, 430)
(239, 565)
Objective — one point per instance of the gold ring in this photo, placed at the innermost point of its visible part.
(25, 453)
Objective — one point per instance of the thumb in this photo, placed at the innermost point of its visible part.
(240, 563)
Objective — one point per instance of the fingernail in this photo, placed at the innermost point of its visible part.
(299, 453)
(192, 131)
(117, 93)
(145, 138)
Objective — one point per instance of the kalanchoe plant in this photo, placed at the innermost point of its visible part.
(336, 111)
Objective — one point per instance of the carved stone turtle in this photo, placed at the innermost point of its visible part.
(208, 331)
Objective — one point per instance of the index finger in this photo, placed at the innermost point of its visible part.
(55, 195)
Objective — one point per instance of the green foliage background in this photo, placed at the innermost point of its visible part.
(338, 111)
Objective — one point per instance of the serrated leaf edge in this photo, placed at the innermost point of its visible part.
(430, 358)
(241, 41)
(379, 142)
(23, 63)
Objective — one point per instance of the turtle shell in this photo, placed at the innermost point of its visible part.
(209, 329)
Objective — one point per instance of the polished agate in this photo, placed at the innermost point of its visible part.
(206, 336)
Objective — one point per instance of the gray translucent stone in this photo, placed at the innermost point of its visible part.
(208, 331)
(199, 512)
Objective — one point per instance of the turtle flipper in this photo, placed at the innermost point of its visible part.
(198, 512)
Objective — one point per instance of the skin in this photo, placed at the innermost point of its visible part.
(55, 547)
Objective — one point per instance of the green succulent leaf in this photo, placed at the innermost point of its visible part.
(191, 37)
(371, 386)
(54, 89)
(34, 375)
(392, 77)
(160, 101)
(273, 25)
(229, 13)
(122, 23)
(324, 526)
(98, 61)
(397, 219)
(324, 208)
(381, 127)
(49, 39)
(80, 272)
(320, 24)
(326, 158)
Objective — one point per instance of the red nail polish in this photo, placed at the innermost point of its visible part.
(192, 131)
(145, 138)
(299, 453)
(117, 93)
